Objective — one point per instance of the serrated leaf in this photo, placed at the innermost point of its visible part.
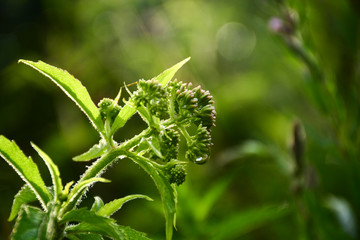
(110, 208)
(25, 168)
(131, 234)
(29, 224)
(128, 110)
(24, 196)
(77, 192)
(91, 222)
(85, 236)
(166, 190)
(98, 203)
(94, 152)
(53, 169)
(73, 88)
(240, 223)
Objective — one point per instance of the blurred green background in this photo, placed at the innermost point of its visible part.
(303, 70)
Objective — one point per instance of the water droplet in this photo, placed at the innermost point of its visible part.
(202, 159)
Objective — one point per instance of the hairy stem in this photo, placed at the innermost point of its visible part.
(103, 162)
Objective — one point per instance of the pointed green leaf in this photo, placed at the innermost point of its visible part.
(91, 222)
(77, 192)
(25, 168)
(53, 169)
(165, 77)
(128, 110)
(73, 88)
(24, 196)
(166, 190)
(110, 208)
(94, 152)
(125, 113)
(85, 236)
(98, 203)
(29, 225)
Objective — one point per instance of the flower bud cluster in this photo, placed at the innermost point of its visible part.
(175, 173)
(169, 145)
(151, 95)
(108, 110)
(199, 146)
(192, 105)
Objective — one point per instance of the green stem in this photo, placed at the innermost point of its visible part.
(185, 133)
(106, 159)
(102, 163)
(166, 191)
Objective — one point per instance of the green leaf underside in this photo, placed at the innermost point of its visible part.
(85, 236)
(29, 224)
(73, 88)
(110, 208)
(53, 169)
(166, 190)
(25, 168)
(127, 111)
(24, 196)
(94, 152)
(77, 192)
(238, 224)
(91, 222)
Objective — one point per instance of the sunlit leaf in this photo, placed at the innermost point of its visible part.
(78, 191)
(94, 152)
(25, 195)
(165, 77)
(110, 208)
(73, 88)
(98, 203)
(53, 169)
(25, 168)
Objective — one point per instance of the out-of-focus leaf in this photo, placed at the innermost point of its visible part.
(29, 224)
(110, 208)
(73, 88)
(53, 169)
(206, 203)
(25, 168)
(25, 195)
(94, 152)
(243, 222)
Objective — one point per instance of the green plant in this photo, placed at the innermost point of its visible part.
(168, 107)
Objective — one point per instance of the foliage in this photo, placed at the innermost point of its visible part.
(155, 149)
